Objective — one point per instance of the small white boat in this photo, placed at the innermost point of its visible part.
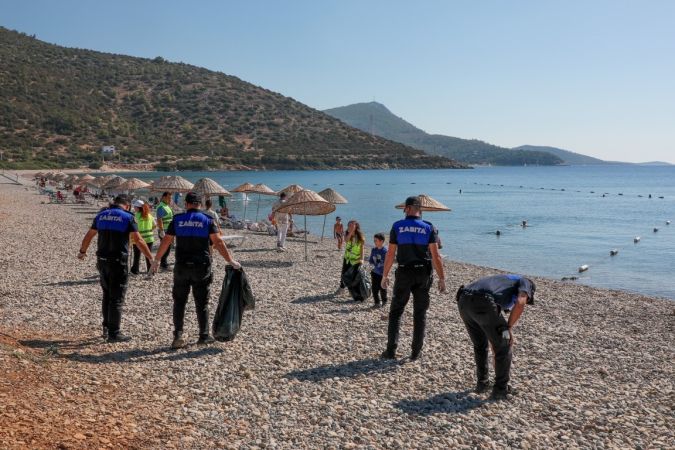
(583, 268)
(613, 252)
(636, 239)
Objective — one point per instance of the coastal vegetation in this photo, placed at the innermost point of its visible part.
(59, 106)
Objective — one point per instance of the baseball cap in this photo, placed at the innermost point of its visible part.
(193, 197)
(138, 203)
(413, 201)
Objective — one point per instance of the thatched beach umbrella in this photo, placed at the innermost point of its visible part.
(86, 178)
(114, 183)
(244, 189)
(307, 203)
(208, 187)
(261, 189)
(172, 183)
(71, 179)
(428, 204)
(59, 176)
(101, 181)
(133, 184)
(332, 196)
(291, 189)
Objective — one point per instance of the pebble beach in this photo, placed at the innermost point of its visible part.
(593, 368)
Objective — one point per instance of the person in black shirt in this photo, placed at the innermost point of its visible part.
(193, 231)
(114, 225)
(480, 306)
(412, 242)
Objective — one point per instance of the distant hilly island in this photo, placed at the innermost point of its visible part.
(375, 118)
(59, 106)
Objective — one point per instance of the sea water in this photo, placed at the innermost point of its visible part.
(575, 215)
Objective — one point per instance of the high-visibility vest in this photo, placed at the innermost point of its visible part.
(168, 216)
(145, 227)
(353, 252)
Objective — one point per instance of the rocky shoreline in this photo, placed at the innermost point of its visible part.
(593, 368)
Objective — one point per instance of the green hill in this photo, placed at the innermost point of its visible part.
(376, 119)
(567, 156)
(58, 106)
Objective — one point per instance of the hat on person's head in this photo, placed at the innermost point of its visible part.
(413, 201)
(122, 199)
(138, 203)
(193, 198)
(338, 218)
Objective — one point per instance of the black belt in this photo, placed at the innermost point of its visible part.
(414, 266)
(106, 259)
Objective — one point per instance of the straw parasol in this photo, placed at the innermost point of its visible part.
(208, 187)
(114, 183)
(244, 189)
(261, 189)
(172, 183)
(71, 179)
(59, 176)
(86, 178)
(335, 198)
(428, 204)
(133, 184)
(291, 189)
(307, 203)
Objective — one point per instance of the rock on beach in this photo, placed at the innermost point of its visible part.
(593, 367)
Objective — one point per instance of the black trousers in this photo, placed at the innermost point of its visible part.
(416, 281)
(199, 278)
(137, 259)
(114, 276)
(345, 266)
(485, 324)
(164, 263)
(379, 294)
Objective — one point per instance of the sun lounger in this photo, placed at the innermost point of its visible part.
(234, 240)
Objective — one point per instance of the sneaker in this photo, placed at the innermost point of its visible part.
(482, 387)
(206, 340)
(119, 337)
(178, 342)
(414, 356)
(388, 354)
(501, 394)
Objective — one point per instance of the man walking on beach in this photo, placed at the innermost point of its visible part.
(412, 242)
(114, 226)
(193, 230)
(164, 216)
(480, 306)
(282, 220)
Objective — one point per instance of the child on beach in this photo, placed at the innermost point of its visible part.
(377, 255)
(339, 232)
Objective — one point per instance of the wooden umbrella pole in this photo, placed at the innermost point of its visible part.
(257, 210)
(305, 232)
(323, 229)
(245, 200)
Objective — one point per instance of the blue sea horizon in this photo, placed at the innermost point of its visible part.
(575, 215)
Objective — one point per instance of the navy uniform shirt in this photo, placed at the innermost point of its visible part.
(503, 288)
(113, 226)
(192, 230)
(412, 235)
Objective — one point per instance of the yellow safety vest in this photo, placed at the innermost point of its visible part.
(353, 252)
(145, 227)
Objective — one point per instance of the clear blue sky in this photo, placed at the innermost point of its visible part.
(596, 77)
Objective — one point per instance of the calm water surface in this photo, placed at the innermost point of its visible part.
(570, 222)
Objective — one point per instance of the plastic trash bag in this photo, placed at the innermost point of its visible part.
(358, 282)
(235, 297)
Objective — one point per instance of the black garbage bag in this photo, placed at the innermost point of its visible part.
(358, 282)
(235, 298)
